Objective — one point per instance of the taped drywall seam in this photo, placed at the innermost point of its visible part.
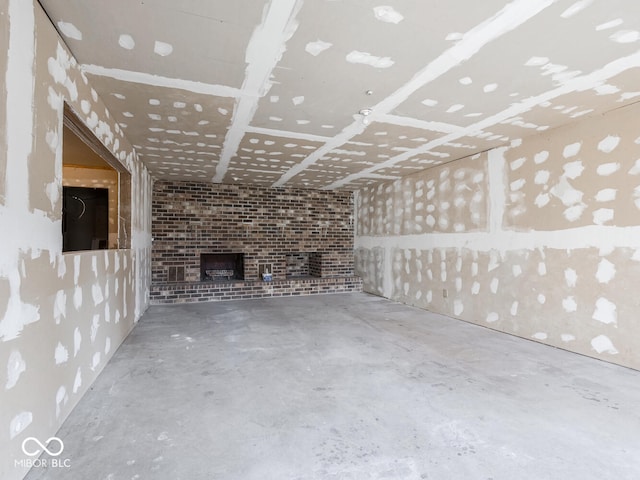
(264, 51)
(510, 17)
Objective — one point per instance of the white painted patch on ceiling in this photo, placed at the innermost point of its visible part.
(605, 311)
(570, 277)
(568, 195)
(61, 354)
(367, 59)
(19, 423)
(603, 344)
(606, 89)
(628, 96)
(567, 337)
(223, 111)
(61, 399)
(625, 36)
(162, 48)
(95, 361)
(574, 212)
(298, 100)
(517, 184)
(69, 30)
(15, 367)
(607, 169)
(542, 269)
(455, 108)
(517, 163)
(197, 107)
(606, 271)
(569, 304)
(454, 36)
(541, 157)
(542, 200)
(537, 61)
(571, 150)
(602, 216)
(610, 24)
(541, 298)
(465, 81)
(541, 177)
(77, 341)
(606, 195)
(576, 8)
(490, 87)
(179, 104)
(126, 41)
(609, 144)
(492, 317)
(429, 102)
(77, 382)
(573, 170)
(387, 14)
(317, 47)
(539, 336)
(154, 101)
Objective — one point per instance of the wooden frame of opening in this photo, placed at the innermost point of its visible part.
(72, 121)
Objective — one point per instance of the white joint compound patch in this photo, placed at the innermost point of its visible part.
(126, 41)
(605, 311)
(69, 30)
(15, 367)
(603, 344)
(162, 48)
(19, 423)
(365, 58)
(387, 14)
(317, 47)
(61, 354)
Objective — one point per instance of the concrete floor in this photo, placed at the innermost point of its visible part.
(346, 387)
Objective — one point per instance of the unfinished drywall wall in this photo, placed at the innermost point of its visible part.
(62, 316)
(539, 239)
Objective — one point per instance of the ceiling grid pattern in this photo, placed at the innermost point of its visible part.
(339, 94)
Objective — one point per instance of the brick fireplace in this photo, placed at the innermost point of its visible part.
(304, 236)
(221, 266)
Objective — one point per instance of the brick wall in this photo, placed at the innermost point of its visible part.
(266, 224)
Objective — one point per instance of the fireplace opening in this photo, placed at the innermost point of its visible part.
(221, 267)
(302, 264)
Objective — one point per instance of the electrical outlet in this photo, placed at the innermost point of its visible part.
(445, 293)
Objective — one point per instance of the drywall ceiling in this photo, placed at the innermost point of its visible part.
(269, 92)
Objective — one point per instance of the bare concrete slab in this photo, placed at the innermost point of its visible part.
(347, 386)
